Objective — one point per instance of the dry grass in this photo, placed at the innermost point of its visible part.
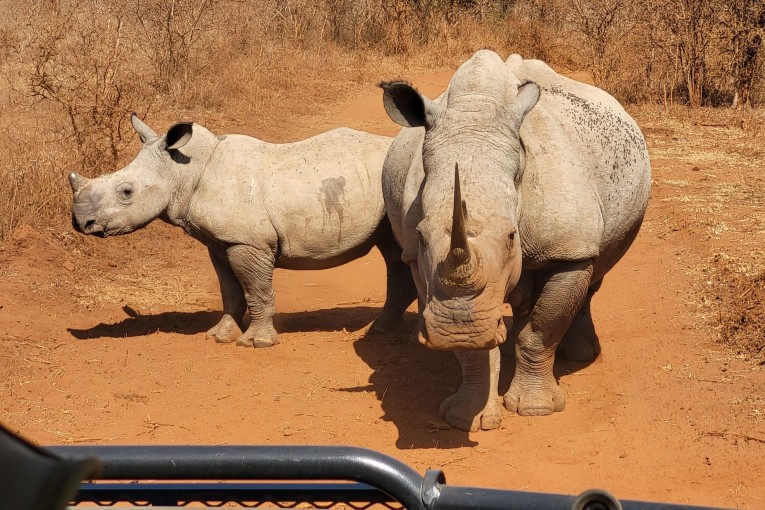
(734, 293)
(33, 171)
(71, 78)
(709, 191)
(176, 289)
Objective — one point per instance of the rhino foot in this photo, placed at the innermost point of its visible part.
(265, 337)
(535, 400)
(382, 326)
(226, 331)
(461, 412)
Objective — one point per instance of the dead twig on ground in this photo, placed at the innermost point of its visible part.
(148, 423)
(729, 435)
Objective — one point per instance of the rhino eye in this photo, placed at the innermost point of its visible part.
(125, 191)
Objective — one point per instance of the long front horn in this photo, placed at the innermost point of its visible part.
(458, 269)
(459, 232)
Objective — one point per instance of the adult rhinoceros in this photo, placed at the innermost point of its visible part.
(311, 204)
(517, 184)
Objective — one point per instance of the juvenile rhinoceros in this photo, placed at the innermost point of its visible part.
(310, 204)
(516, 185)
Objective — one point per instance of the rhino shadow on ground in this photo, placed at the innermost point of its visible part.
(193, 323)
(410, 381)
(137, 324)
(351, 318)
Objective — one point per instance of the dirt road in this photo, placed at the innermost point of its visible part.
(103, 342)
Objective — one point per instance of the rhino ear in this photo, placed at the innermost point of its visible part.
(406, 106)
(178, 135)
(528, 95)
(145, 133)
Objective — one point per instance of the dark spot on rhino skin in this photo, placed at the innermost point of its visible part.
(601, 127)
(332, 198)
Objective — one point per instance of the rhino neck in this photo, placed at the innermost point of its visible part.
(186, 178)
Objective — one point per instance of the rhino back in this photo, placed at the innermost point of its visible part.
(587, 179)
(323, 196)
(314, 201)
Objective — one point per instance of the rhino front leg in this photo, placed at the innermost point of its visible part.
(234, 305)
(557, 297)
(475, 405)
(400, 289)
(414, 336)
(254, 268)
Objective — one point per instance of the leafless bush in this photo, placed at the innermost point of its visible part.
(178, 35)
(89, 63)
(602, 28)
(698, 52)
(79, 59)
(742, 23)
(33, 175)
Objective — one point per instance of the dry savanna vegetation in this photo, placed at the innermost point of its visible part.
(691, 71)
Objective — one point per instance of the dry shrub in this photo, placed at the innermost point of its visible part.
(79, 59)
(738, 293)
(89, 63)
(34, 190)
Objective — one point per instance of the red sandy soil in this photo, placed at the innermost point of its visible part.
(103, 342)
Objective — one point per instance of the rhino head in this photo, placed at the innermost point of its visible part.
(132, 197)
(469, 255)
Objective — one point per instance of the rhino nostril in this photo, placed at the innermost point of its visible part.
(90, 223)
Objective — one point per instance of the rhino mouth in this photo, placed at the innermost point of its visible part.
(461, 330)
(91, 227)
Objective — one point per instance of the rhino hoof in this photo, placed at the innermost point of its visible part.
(458, 413)
(226, 331)
(535, 402)
(247, 341)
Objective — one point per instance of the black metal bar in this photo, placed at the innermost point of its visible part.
(395, 480)
(342, 463)
(183, 493)
(455, 498)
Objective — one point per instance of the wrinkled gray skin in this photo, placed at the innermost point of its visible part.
(311, 204)
(551, 189)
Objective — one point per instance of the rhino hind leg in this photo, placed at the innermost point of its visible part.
(229, 328)
(557, 298)
(581, 342)
(475, 405)
(254, 269)
(400, 289)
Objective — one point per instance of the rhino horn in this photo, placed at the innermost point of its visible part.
(77, 181)
(459, 232)
(459, 268)
(145, 133)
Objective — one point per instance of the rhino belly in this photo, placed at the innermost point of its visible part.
(334, 232)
